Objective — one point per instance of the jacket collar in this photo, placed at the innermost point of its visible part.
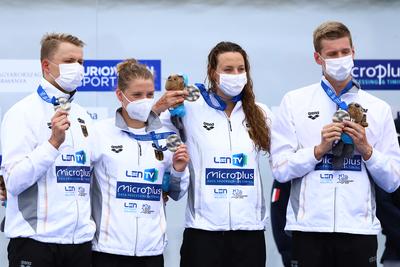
(51, 90)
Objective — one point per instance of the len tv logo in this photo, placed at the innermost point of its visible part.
(79, 157)
(239, 160)
(150, 175)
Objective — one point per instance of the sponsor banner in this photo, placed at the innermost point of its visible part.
(377, 74)
(19, 75)
(73, 174)
(101, 75)
(138, 191)
(217, 176)
(349, 164)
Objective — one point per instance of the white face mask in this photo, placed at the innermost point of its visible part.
(139, 109)
(71, 76)
(339, 69)
(232, 84)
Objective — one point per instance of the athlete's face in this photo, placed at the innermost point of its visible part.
(229, 63)
(64, 54)
(334, 49)
(137, 89)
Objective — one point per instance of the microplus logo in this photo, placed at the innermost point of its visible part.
(73, 174)
(239, 160)
(229, 176)
(349, 164)
(79, 157)
(377, 74)
(150, 175)
(138, 191)
(101, 75)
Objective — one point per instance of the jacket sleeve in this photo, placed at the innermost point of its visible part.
(25, 161)
(166, 122)
(289, 159)
(384, 164)
(178, 183)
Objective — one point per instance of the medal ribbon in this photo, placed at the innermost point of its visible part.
(152, 136)
(221, 104)
(341, 104)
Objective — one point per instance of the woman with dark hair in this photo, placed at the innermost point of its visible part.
(226, 133)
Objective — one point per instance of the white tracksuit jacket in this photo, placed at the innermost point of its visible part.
(48, 189)
(127, 201)
(225, 189)
(321, 199)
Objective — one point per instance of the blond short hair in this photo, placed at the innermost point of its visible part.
(330, 30)
(51, 41)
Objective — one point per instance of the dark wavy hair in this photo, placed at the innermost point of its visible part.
(255, 118)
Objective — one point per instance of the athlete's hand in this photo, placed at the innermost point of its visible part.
(329, 134)
(59, 124)
(169, 99)
(357, 133)
(180, 158)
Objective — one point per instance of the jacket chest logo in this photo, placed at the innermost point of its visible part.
(117, 148)
(313, 115)
(208, 125)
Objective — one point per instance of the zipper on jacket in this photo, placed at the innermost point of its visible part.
(229, 130)
(139, 153)
(136, 237)
(334, 212)
(230, 217)
(77, 220)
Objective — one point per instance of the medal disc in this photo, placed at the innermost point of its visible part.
(63, 104)
(341, 115)
(173, 142)
(194, 93)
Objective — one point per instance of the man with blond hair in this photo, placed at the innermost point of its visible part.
(331, 211)
(46, 165)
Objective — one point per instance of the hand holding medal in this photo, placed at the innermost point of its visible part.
(60, 123)
(181, 157)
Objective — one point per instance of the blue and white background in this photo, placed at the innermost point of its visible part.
(176, 36)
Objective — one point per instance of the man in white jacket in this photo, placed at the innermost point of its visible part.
(46, 165)
(331, 210)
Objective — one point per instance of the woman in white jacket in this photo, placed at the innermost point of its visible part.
(226, 133)
(130, 163)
